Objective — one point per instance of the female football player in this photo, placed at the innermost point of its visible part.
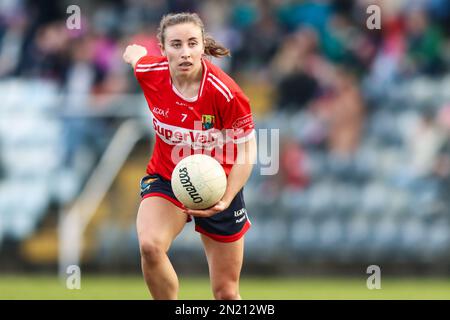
(188, 94)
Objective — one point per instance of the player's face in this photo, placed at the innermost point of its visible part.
(183, 47)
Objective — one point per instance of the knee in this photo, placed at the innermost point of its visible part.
(227, 292)
(151, 251)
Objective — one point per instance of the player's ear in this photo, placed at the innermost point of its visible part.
(161, 48)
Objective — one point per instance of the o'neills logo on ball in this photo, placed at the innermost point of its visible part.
(187, 184)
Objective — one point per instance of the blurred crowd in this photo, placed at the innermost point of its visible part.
(306, 48)
(310, 54)
(315, 61)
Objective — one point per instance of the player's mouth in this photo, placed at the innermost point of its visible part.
(185, 65)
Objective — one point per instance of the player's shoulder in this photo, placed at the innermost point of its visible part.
(221, 83)
(150, 64)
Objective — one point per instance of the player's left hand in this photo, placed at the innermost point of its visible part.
(205, 213)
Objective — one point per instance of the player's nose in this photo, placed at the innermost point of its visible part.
(185, 52)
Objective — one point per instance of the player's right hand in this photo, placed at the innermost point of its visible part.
(209, 212)
(133, 53)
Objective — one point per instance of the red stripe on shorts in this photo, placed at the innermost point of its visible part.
(221, 238)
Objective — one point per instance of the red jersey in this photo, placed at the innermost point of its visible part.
(212, 123)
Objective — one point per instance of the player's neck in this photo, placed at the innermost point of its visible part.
(186, 82)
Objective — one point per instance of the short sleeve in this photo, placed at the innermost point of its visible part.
(143, 70)
(238, 119)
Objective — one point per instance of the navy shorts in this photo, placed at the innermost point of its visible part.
(226, 226)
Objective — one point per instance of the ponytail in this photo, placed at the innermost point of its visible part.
(212, 48)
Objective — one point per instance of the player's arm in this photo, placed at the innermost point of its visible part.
(241, 170)
(133, 53)
(239, 174)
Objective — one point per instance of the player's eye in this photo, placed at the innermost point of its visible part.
(176, 45)
(192, 44)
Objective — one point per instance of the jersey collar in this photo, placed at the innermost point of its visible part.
(205, 73)
(202, 85)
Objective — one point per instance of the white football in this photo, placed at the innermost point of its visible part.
(198, 181)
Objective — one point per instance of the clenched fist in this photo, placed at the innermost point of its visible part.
(133, 53)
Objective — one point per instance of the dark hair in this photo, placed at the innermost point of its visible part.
(212, 48)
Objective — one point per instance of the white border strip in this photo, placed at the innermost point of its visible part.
(219, 88)
(152, 69)
(222, 85)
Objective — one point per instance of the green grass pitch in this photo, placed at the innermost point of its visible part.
(192, 288)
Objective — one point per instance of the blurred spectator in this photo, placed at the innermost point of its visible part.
(424, 44)
(293, 173)
(442, 166)
(47, 56)
(345, 43)
(385, 66)
(259, 36)
(424, 145)
(294, 68)
(140, 15)
(315, 14)
(82, 77)
(11, 41)
(343, 109)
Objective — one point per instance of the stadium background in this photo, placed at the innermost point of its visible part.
(364, 122)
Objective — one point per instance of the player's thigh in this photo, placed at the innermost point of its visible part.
(158, 222)
(224, 260)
